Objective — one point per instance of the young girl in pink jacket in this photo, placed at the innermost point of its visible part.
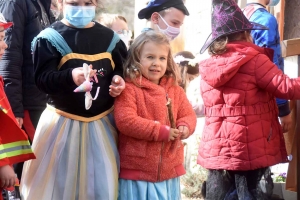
(151, 152)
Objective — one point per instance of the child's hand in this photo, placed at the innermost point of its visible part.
(173, 134)
(286, 122)
(78, 75)
(184, 132)
(117, 86)
(7, 176)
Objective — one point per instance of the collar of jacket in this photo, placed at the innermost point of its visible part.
(165, 82)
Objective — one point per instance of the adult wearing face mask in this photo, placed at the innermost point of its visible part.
(255, 11)
(27, 102)
(166, 16)
(118, 24)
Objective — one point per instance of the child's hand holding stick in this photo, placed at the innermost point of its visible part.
(173, 125)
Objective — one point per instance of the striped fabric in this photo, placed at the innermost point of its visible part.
(75, 160)
(15, 149)
(14, 144)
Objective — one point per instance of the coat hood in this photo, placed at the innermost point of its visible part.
(219, 69)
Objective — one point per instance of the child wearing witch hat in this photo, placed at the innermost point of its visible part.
(165, 16)
(242, 136)
(14, 145)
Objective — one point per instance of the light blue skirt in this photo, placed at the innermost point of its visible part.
(142, 190)
(75, 160)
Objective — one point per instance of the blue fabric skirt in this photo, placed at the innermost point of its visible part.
(142, 190)
(76, 160)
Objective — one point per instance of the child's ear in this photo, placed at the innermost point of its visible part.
(154, 17)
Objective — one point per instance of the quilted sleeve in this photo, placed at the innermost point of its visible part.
(272, 79)
(270, 38)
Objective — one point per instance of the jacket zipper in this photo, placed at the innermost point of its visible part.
(160, 161)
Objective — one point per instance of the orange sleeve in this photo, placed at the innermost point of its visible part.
(186, 115)
(129, 123)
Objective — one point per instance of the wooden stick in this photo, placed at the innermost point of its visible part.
(170, 112)
(177, 140)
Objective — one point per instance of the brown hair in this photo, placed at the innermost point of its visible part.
(218, 47)
(186, 69)
(132, 67)
(99, 6)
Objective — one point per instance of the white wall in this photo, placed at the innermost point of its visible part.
(139, 24)
(291, 66)
(197, 25)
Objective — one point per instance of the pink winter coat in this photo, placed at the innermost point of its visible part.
(242, 131)
(141, 116)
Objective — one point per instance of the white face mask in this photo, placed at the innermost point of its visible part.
(171, 32)
(125, 39)
(273, 2)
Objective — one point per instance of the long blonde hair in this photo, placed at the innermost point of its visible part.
(132, 67)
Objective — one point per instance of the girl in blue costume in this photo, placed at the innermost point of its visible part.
(75, 145)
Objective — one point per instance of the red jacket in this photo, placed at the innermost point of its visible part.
(142, 119)
(14, 145)
(242, 131)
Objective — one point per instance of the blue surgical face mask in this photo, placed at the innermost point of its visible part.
(79, 16)
(273, 2)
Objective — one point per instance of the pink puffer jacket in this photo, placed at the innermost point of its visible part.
(242, 131)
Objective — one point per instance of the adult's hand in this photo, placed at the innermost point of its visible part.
(286, 122)
(20, 121)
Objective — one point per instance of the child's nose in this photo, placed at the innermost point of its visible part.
(156, 62)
